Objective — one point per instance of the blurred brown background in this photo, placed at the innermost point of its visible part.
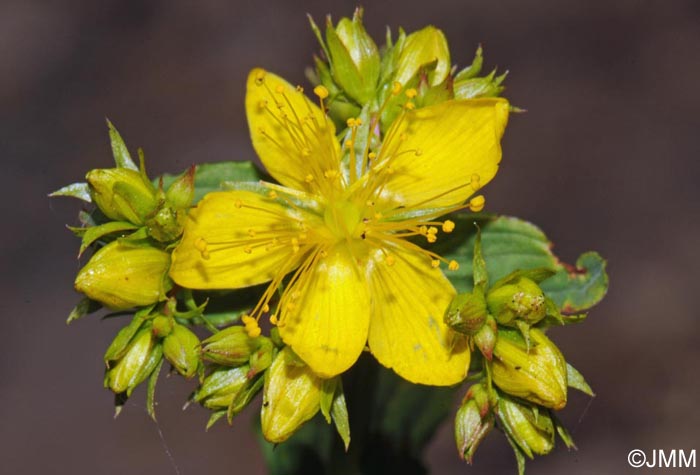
(607, 158)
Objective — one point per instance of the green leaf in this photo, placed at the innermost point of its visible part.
(94, 233)
(151, 391)
(575, 380)
(214, 418)
(575, 289)
(84, 307)
(208, 177)
(121, 154)
(74, 190)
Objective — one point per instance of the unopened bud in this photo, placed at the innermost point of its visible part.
(521, 299)
(292, 396)
(122, 276)
(467, 312)
(536, 374)
(423, 48)
(530, 428)
(474, 420)
(485, 338)
(122, 194)
(230, 347)
(162, 326)
(140, 359)
(180, 348)
(180, 194)
(221, 387)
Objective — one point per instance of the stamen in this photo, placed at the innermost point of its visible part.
(321, 92)
(448, 226)
(477, 203)
(411, 93)
(453, 265)
(396, 88)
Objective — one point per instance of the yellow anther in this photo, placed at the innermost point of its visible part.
(349, 143)
(290, 306)
(475, 181)
(358, 122)
(330, 174)
(266, 308)
(323, 253)
(238, 204)
(251, 232)
(200, 244)
(453, 265)
(423, 229)
(299, 88)
(248, 250)
(272, 194)
(295, 295)
(253, 332)
(351, 122)
(411, 93)
(273, 319)
(262, 104)
(448, 226)
(205, 255)
(403, 137)
(431, 238)
(432, 230)
(477, 203)
(247, 319)
(321, 91)
(396, 88)
(390, 260)
(279, 89)
(390, 170)
(260, 77)
(369, 203)
(378, 216)
(371, 155)
(409, 105)
(418, 152)
(435, 263)
(309, 178)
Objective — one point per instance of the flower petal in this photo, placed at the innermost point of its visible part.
(407, 332)
(227, 242)
(292, 136)
(327, 326)
(435, 151)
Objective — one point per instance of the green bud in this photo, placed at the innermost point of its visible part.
(423, 48)
(180, 348)
(485, 338)
(521, 299)
(140, 359)
(122, 194)
(354, 57)
(230, 347)
(221, 387)
(292, 396)
(261, 359)
(162, 326)
(531, 429)
(122, 276)
(180, 194)
(474, 420)
(467, 313)
(537, 374)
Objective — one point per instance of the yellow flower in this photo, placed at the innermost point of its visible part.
(347, 231)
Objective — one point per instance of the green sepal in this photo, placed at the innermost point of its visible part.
(574, 379)
(82, 308)
(481, 275)
(317, 33)
(575, 289)
(339, 413)
(327, 395)
(122, 158)
(151, 391)
(487, 86)
(474, 68)
(79, 190)
(214, 418)
(243, 398)
(121, 342)
(563, 432)
(94, 233)
(519, 454)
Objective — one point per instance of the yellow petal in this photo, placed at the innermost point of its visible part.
(407, 332)
(228, 242)
(327, 324)
(292, 136)
(435, 152)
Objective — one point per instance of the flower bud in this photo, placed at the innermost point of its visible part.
(162, 326)
(122, 194)
(521, 298)
(230, 347)
(537, 375)
(292, 396)
(423, 48)
(141, 357)
(467, 313)
(474, 420)
(354, 57)
(531, 429)
(180, 193)
(221, 387)
(485, 338)
(122, 276)
(261, 359)
(180, 348)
